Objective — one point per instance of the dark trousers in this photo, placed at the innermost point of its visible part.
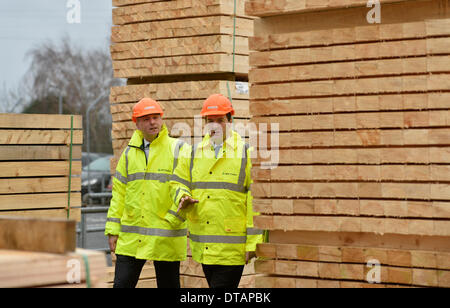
(223, 276)
(128, 269)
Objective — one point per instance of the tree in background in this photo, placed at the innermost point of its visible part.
(77, 77)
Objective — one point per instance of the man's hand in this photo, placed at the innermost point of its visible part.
(112, 241)
(185, 201)
(249, 255)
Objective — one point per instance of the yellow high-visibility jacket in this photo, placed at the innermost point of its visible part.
(141, 199)
(221, 225)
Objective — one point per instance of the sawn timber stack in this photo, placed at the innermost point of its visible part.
(35, 165)
(362, 115)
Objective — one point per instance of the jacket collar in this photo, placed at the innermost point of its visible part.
(137, 140)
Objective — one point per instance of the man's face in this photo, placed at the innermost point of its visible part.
(216, 126)
(150, 125)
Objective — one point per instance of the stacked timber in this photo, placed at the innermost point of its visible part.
(42, 253)
(178, 52)
(360, 192)
(40, 170)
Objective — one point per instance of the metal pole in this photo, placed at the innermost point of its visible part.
(88, 135)
(60, 103)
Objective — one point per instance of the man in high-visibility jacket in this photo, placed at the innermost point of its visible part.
(210, 189)
(140, 200)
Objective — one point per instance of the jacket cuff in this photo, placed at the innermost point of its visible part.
(112, 228)
(175, 219)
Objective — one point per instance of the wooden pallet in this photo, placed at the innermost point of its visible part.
(360, 114)
(35, 163)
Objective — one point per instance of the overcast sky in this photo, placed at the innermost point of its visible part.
(26, 23)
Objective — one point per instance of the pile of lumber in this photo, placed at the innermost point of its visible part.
(179, 37)
(362, 114)
(42, 253)
(178, 52)
(35, 165)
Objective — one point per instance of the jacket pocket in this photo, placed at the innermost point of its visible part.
(235, 225)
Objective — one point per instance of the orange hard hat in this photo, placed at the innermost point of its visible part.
(145, 107)
(217, 104)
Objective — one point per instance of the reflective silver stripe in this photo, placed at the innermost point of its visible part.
(126, 158)
(176, 195)
(176, 215)
(219, 185)
(254, 231)
(176, 154)
(116, 220)
(162, 177)
(121, 178)
(194, 149)
(153, 231)
(176, 178)
(218, 239)
(241, 181)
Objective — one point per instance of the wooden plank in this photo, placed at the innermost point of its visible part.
(181, 65)
(358, 69)
(354, 254)
(368, 156)
(39, 168)
(38, 201)
(211, 44)
(362, 173)
(199, 90)
(186, 27)
(381, 35)
(27, 137)
(41, 121)
(31, 269)
(31, 234)
(174, 10)
(401, 226)
(38, 185)
(24, 152)
(392, 15)
(363, 138)
(388, 85)
(354, 207)
(368, 51)
(360, 120)
(388, 190)
(132, 2)
(367, 240)
(264, 8)
(389, 274)
(386, 102)
(59, 213)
